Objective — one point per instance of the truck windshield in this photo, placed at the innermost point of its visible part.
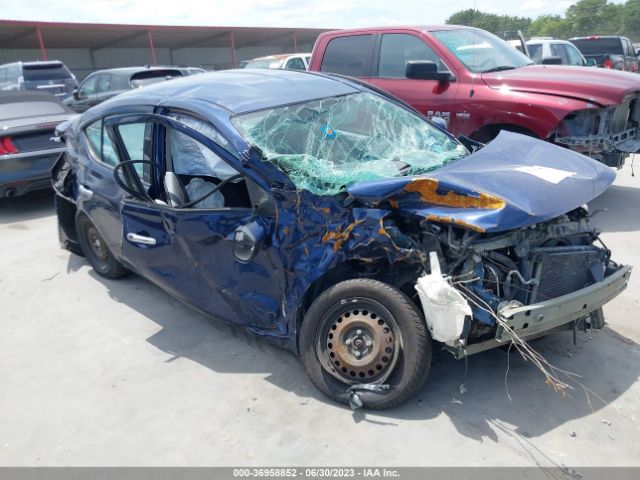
(325, 145)
(480, 51)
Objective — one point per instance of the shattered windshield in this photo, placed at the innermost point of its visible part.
(325, 145)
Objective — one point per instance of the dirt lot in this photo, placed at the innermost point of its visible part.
(98, 372)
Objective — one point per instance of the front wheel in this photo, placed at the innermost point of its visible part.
(365, 332)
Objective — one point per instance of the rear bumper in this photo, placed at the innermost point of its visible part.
(533, 320)
(25, 172)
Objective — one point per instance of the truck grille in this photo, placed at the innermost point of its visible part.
(565, 270)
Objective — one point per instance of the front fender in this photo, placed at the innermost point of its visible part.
(537, 113)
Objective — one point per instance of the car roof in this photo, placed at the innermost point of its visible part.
(280, 56)
(535, 41)
(132, 70)
(241, 90)
(422, 28)
(596, 37)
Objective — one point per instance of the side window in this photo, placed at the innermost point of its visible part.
(348, 56)
(535, 52)
(630, 51)
(201, 173)
(396, 49)
(574, 55)
(100, 143)
(295, 64)
(104, 83)
(136, 140)
(190, 157)
(89, 86)
(557, 50)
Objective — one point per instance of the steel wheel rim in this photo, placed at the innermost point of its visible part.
(98, 248)
(358, 341)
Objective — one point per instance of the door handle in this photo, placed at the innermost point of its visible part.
(85, 191)
(141, 239)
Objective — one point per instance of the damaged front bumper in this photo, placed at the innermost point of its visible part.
(534, 320)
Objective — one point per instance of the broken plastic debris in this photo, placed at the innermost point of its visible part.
(444, 307)
(325, 145)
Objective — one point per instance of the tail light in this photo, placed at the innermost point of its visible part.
(607, 63)
(7, 147)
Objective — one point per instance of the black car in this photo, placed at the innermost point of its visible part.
(104, 84)
(52, 77)
(28, 145)
(608, 52)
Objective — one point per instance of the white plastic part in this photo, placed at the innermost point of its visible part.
(444, 307)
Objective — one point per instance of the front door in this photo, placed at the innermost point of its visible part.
(187, 246)
(430, 97)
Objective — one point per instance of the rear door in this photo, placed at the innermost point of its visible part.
(350, 55)
(430, 97)
(190, 251)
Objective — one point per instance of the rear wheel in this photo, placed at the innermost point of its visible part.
(364, 332)
(96, 251)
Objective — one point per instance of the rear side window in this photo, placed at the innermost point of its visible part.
(557, 50)
(148, 77)
(136, 140)
(104, 84)
(535, 52)
(100, 143)
(295, 64)
(348, 56)
(574, 55)
(397, 49)
(34, 73)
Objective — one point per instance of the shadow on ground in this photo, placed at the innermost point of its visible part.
(620, 209)
(26, 207)
(477, 403)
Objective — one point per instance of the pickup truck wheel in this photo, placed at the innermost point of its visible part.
(96, 251)
(365, 332)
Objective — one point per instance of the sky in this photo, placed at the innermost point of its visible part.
(269, 13)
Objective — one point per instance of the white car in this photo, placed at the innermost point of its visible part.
(289, 61)
(542, 49)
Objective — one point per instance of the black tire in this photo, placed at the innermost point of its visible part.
(96, 251)
(352, 311)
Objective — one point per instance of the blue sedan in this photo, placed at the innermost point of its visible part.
(336, 221)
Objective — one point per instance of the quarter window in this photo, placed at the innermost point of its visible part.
(348, 56)
(397, 49)
(100, 143)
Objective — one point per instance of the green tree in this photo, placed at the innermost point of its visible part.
(595, 17)
(631, 19)
(550, 26)
(503, 25)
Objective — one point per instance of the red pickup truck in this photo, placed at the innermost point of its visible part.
(480, 85)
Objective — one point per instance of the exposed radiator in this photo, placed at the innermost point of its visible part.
(564, 270)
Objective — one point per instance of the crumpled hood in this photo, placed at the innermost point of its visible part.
(513, 182)
(596, 85)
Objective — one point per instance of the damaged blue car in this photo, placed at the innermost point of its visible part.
(337, 221)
